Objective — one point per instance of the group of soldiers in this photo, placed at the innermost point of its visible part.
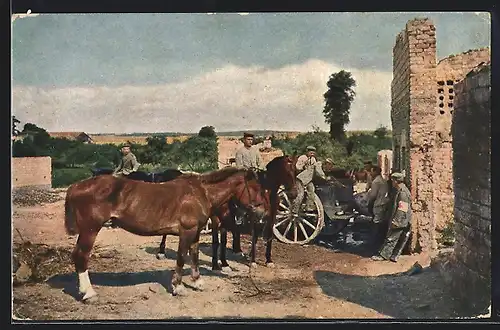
(389, 201)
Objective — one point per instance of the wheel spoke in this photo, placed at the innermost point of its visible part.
(295, 232)
(281, 222)
(308, 224)
(286, 199)
(311, 215)
(283, 206)
(303, 230)
(287, 228)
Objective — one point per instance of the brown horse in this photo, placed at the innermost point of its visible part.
(279, 171)
(180, 207)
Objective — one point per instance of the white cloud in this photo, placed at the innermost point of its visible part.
(229, 98)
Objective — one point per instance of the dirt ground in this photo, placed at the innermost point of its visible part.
(308, 281)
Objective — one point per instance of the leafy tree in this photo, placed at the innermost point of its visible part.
(338, 99)
(207, 131)
(381, 132)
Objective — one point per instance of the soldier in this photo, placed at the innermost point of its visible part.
(378, 196)
(128, 163)
(400, 222)
(248, 156)
(367, 169)
(308, 166)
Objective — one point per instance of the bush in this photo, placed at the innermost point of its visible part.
(64, 177)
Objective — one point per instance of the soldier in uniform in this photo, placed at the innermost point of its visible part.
(247, 156)
(378, 196)
(128, 163)
(367, 169)
(308, 167)
(400, 221)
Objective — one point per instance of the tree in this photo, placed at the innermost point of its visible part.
(15, 121)
(380, 132)
(207, 131)
(338, 99)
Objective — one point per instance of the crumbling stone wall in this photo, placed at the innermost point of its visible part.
(32, 172)
(448, 71)
(412, 115)
(471, 131)
(422, 108)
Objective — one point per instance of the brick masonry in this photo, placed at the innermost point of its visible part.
(471, 132)
(422, 104)
(32, 172)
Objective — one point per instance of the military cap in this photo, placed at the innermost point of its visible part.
(247, 134)
(329, 160)
(126, 145)
(311, 148)
(397, 176)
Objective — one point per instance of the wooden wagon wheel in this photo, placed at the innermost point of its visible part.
(301, 228)
(208, 227)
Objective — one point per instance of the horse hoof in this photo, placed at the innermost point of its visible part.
(227, 269)
(198, 284)
(218, 267)
(179, 290)
(160, 256)
(253, 265)
(90, 297)
(270, 264)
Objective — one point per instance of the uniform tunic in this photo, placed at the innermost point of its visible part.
(248, 157)
(378, 196)
(127, 165)
(400, 224)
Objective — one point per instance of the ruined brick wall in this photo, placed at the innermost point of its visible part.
(471, 132)
(32, 172)
(413, 115)
(448, 71)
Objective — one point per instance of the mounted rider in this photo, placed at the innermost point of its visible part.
(308, 167)
(248, 156)
(128, 163)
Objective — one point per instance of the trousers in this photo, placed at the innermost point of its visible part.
(301, 191)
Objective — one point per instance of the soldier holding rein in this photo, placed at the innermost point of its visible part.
(128, 163)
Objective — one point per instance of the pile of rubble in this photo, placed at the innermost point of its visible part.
(34, 196)
(38, 262)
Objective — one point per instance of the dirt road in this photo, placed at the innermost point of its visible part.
(307, 282)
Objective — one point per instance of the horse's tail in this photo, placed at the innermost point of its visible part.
(70, 215)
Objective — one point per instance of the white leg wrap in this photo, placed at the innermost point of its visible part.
(84, 281)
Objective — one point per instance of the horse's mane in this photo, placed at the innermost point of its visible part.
(220, 175)
(273, 163)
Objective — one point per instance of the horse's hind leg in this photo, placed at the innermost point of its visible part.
(81, 254)
(162, 254)
(215, 249)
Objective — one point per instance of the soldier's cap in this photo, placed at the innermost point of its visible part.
(329, 160)
(126, 145)
(311, 148)
(247, 134)
(397, 176)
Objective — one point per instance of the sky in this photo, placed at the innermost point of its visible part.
(124, 73)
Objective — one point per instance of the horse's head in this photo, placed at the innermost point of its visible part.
(253, 194)
(281, 171)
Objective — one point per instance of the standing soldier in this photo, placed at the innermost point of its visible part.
(367, 169)
(400, 222)
(128, 163)
(248, 156)
(378, 196)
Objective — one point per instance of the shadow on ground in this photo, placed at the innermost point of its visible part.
(424, 295)
(69, 283)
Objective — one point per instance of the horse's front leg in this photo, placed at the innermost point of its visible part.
(254, 245)
(269, 244)
(162, 254)
(237, 240)
(194, 251)
(223, 248)
(185, 241)
(215, 249)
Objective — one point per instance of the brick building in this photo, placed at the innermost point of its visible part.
(422, 94)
